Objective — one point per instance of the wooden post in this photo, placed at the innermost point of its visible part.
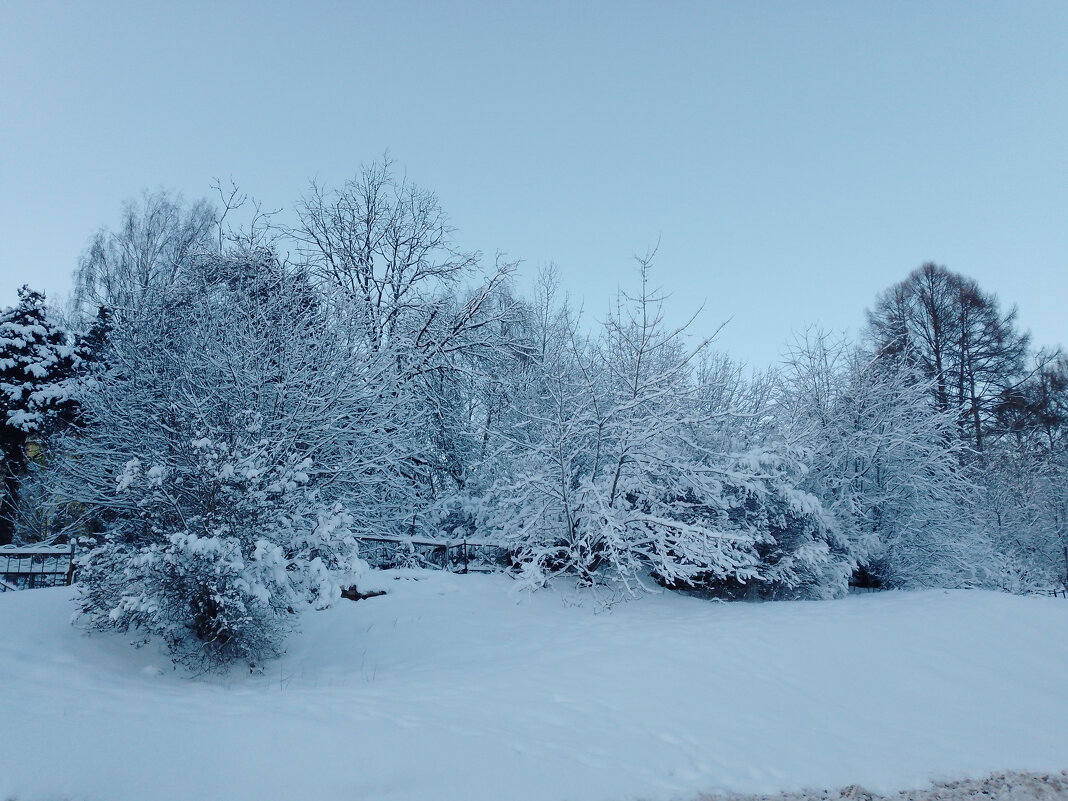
(70, 567)
(1066, 570)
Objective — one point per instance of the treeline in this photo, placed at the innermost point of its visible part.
(224, 412)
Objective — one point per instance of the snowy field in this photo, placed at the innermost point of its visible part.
(457, 688)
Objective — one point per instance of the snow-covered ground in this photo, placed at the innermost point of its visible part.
(457, 687)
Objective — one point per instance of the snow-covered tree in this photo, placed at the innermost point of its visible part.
(384, 248)
(158, 236)
(37, 366)
(236, 440)
(616, 470)
(886, 462)
(1025, 478)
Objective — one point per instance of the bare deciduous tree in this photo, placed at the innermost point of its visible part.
(156, 239)
(956, 334)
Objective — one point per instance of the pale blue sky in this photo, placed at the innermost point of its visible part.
(793, 158)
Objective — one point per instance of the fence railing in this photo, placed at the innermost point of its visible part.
(29, 566)
(459, 556)
(24, 567)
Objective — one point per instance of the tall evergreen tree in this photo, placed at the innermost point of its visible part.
(37, 365)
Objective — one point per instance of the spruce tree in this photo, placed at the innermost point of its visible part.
(37, 365)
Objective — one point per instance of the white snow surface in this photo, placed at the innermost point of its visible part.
(459, 688)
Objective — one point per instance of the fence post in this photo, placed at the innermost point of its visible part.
(1066, 570)
(70, 567)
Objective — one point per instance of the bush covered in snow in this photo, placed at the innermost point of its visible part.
(223, 550)
(221, 453)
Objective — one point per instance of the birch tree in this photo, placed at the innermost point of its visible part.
(157, 238)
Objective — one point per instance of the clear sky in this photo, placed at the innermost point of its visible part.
(792, 158)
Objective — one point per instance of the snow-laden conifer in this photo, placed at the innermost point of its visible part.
(37, 372)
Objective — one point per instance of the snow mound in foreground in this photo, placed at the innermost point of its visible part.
(457, 687)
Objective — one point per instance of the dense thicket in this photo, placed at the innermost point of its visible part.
(243, 407)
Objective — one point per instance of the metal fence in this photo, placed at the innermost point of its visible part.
(458, 556)
(28, 566)
(24, 567)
